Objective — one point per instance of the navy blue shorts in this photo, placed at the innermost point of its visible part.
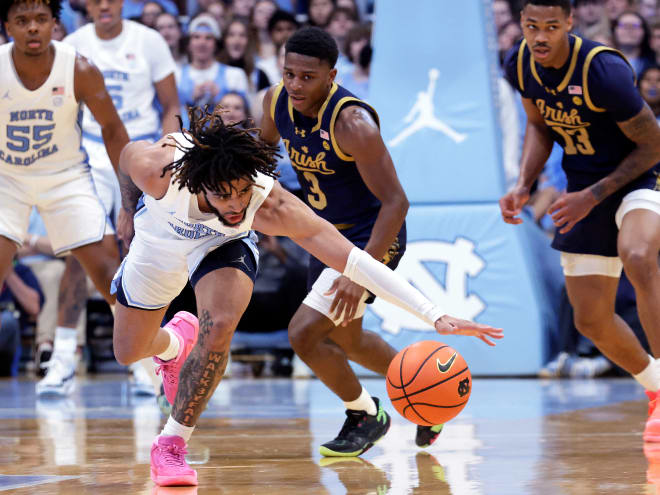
(597, 233)
(359, 235)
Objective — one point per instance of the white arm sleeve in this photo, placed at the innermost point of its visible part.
(388, 285)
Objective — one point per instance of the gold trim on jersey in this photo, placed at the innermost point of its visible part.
(333, 90)
(571, 68)
(276, 96)
(585, 74)
(335, 112)
(343, 226)
(521, 53)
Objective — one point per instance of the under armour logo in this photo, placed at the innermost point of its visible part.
(299, 132)
(242, 260)
(6, 96)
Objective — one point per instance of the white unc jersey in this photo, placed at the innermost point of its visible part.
(39, 129)
(130, 63)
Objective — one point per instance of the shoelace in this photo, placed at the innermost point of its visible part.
(162, 368)
(173, 455)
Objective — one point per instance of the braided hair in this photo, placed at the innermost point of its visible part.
(220, 154)
(55, 7)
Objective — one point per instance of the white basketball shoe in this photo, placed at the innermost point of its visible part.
(60, 376)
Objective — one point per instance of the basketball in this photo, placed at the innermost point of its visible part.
(429, 383)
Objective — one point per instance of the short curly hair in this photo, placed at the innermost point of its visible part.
(6, 5)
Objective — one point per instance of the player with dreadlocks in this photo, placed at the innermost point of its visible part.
(42, 164)
(205, 192)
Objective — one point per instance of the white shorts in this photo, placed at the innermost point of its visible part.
(105, 180)
(159, 263)
(66, 200)
(579, 265)
(316, 299)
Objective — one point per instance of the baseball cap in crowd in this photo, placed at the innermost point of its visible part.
(205, 23)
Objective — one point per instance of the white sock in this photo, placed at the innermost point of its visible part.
(173, 427)
(65, 341)
(150, 367)
(649, 377)
(389, 285)
(363, 403)
(172, 350)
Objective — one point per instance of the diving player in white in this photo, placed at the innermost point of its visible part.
(205, 190)
(42, 162)
(137, 67)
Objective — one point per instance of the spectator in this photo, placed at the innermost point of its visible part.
(150, 12)
(502, 13)
(649, 87)
(20, 302)
(614, 8)
(235, 108)
(261, 14)
(242, 8)
(204, 80)
(350, 5)
(654, 39)
(238, 51)
(358, 51)
(507, 36)
(590, 18)
(341, 21)
(169, 28)
(647, 8)
(73, 14)
(281, 26)
(132, 9)
(318, 12)
(219, 11)
(631, 37)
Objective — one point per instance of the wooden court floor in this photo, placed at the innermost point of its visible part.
(516, 436)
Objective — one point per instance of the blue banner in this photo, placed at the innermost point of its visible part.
(432, 82)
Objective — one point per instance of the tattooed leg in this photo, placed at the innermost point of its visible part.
(73, 294)
(202, 371)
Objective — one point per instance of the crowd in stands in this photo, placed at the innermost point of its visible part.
(231, 51)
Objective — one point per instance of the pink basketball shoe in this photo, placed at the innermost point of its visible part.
(168, 462)
(186, 328)
(652, 429)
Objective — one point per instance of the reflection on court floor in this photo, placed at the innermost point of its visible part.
(516, 436)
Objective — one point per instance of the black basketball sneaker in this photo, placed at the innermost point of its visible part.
(426, 435)
(359, 433)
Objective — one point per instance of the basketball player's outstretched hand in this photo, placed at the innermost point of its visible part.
(448, 325)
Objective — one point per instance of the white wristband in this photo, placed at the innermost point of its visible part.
(388, 285)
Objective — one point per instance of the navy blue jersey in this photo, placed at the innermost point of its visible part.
(581, 103)
(331, 183)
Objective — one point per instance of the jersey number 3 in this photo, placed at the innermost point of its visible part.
(575, 140)
(317, 199)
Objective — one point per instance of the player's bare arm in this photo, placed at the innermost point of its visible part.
(284, 214)
(269, 132)
(643, 129)
(358, 135)
(143, 163)
(169, 99)
(536, 150)
(90, 90)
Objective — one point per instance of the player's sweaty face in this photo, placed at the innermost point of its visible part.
(231, 203)
(308, 81)
(31, 26)
(545, 29)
